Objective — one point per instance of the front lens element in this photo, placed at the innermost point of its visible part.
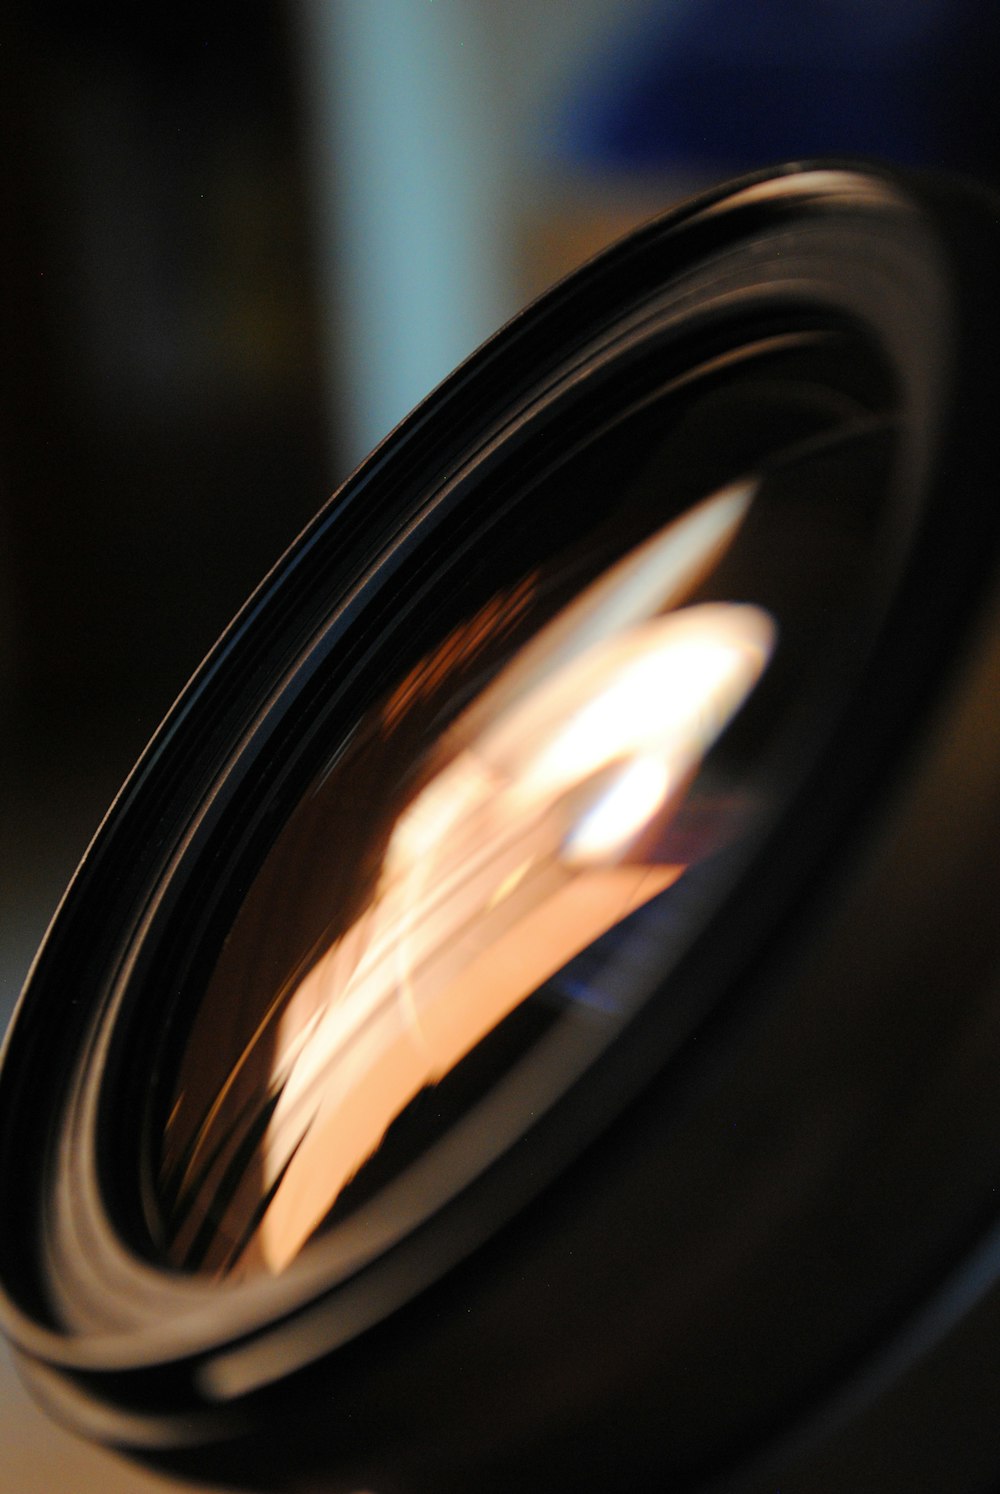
(564, 757)
(534, 823)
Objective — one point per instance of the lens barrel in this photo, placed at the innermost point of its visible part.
(530, 1018)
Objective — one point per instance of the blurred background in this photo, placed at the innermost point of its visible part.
(237, 243)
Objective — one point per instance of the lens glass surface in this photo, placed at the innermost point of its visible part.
(560, 781)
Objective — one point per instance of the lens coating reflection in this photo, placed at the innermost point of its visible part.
(531, 826)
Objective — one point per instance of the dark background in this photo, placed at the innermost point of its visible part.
(238, 242)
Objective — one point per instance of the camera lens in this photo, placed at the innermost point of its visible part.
(545, 931)
(474, 862)
(510, 817)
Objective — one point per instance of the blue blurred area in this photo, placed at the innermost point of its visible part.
(727, 85)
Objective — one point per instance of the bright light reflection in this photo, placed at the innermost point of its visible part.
(513, 857)
(634, 797)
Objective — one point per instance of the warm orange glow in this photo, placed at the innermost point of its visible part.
(349, 1095)
(496, 875)
(516, 854)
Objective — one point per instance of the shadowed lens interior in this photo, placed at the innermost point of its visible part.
(558, 780)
